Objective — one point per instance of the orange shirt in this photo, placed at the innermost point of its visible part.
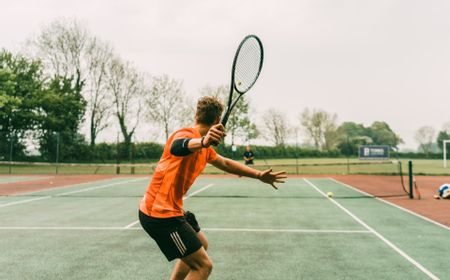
(173, 177)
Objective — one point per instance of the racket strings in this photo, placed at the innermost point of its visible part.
(248, 65)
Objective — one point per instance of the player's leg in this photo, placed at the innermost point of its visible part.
(177, 240)
(199, 263)
(181, 269)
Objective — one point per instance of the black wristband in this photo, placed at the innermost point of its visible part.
(201, 142)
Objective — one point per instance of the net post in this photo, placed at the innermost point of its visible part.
(118, 155)
(11, 139)
(57, 152)
(410, 173)
(445, 142)
(296, 151)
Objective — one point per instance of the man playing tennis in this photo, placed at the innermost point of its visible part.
(185, 155)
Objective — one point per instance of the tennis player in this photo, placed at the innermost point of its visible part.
(248, 155)
(443, 192)
(185, 155)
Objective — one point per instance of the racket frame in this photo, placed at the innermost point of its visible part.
(231, 103)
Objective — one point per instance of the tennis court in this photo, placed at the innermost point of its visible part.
(90, 231)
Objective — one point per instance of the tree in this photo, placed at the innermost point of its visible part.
(69, 51)
(61, 46)
(98, 56)
(8, 101)
(321, 127)
(276, 127)
(37, 105)
(382, 134)
(352, 129)
(444, 134)
(61, 109)
(21, 81)
(167, 103)
(424, 137)
(239, 123)
(128, 89)
(351, 135)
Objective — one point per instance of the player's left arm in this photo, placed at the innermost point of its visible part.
(234, 167)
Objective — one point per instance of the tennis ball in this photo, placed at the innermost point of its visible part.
(51, 182)
(329, 194)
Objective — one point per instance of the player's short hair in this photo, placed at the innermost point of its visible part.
(208, 110)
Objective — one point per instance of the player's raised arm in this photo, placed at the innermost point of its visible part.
(234, 167)
(185, 146)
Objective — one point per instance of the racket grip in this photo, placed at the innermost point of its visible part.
(224, 119)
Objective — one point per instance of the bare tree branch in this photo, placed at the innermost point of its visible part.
(98, 57)
(128, 89)
(321, 128)
(276, 127)
(424, 137)
(167, 103)
(68, 50)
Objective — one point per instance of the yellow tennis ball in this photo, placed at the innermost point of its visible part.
(329, 194)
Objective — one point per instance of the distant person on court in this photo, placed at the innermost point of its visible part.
(161, 213)
(248, 156)
(443, 192)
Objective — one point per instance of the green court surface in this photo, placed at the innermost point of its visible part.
(90, 231)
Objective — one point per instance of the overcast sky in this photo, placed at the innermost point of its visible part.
(364, 60)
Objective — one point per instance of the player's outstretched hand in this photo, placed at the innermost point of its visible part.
(269, 177)
(215, 135)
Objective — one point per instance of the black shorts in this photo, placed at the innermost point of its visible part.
(176, 237)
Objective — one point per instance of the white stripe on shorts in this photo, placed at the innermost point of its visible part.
(181, 241)
(178, 242)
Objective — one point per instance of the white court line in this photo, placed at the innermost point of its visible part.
(131, 225)
(46, 197)
(197, 191)
(392, 204)
(24, 201)
(184, 198)
(257, 230)
(62, 228)
(100, 187)
(61, 188)
(389, 243)
(286, 230)
(24, 179)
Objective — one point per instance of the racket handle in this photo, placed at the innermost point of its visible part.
(224, 119)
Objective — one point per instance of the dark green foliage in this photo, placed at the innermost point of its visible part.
(21, 82)
(61, 110)
(443, 135)
(31, 103)
(352, 135)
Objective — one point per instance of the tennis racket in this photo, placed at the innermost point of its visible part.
(247, 65)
